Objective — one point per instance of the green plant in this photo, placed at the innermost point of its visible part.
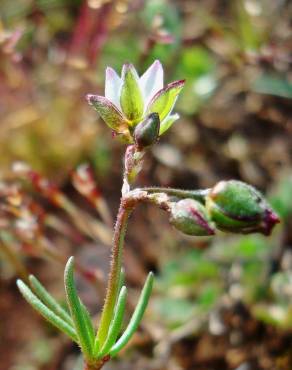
(139, 111)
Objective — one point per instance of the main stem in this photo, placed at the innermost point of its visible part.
(97, 365)
(126, 206)
(115, 270)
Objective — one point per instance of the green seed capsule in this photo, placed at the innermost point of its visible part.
(238, 207)
(190, 217)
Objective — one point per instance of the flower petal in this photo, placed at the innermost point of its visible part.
(108, 112)
(113, 84)
(163, 102)
(167, 123)
(152, 81)
(131, 96)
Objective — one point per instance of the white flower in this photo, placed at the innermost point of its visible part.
(129, 99)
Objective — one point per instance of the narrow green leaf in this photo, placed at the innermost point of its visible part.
(131, 96)
(163, 102)
(48, 300)
(116, 324)
(121, 280)
(88, 322)
(96, 347)
(77, 313)
(136, 317)
(48, 314)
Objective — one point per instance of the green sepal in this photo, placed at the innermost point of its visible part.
(235, 206)
(167, 123)
(136, 317)
(131, 98)
(116, 323)
(48, 314)
(191, 218)
(77, 311)
(224, 222)
(108, 112)
(238, 200)
(48, 300)
(163, 102)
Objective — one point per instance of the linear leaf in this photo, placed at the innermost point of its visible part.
(88, 322)
(136, 317)
(48, 300)
(48, 314)
(116, 324)
(76, 310)
(121, 280)
(96, 347)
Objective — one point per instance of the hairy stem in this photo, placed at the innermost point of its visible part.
(97, 365)
(198, 195)
(115, 270)
(133, 162)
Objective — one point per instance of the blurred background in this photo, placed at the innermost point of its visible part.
(219, 303)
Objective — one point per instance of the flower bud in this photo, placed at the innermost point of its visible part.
(190, 217)
(238, 207)
(146, 132)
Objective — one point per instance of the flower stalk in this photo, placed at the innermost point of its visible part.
(198, 194)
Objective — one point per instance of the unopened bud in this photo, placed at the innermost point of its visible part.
(146, 132)
(238, 207)
(190, 217)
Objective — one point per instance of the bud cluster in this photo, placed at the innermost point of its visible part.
(230, 206)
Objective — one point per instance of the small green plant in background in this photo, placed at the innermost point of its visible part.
(139, 111)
